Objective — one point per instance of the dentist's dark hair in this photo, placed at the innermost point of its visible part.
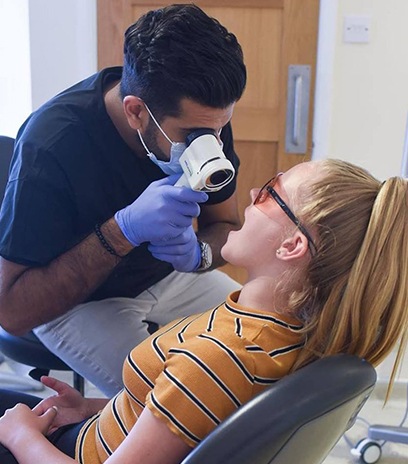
(180, 52)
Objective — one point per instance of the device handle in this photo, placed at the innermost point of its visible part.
(182, 182)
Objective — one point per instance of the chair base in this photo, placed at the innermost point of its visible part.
(11, 381)
(78, 381)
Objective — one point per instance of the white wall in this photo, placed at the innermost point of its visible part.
(364, 119)
(15, 73)
(45, 46)
(62, 44)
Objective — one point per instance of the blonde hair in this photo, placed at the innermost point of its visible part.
(355, 299)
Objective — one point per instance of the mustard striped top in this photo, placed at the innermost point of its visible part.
(193, 373)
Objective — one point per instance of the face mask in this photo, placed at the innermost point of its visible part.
(177, 149)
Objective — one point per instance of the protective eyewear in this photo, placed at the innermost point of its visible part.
(268, 191)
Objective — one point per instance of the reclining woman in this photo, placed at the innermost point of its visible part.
(325, 248)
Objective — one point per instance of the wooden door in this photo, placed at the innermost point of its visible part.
(274, 34)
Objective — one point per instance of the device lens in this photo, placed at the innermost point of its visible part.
(219, 178)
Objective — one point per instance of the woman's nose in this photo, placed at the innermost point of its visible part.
(253, 193)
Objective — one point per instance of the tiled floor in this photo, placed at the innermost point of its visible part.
(372, 413)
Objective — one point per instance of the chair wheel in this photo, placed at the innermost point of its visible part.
(368, 451)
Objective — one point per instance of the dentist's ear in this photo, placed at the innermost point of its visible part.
(293, 247)
(135, 112)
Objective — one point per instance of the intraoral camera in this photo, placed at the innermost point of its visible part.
(204, 164)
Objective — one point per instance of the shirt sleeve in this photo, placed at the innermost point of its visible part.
(202, 383)
(37, 212)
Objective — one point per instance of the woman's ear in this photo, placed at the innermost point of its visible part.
(135, 112)
(293, 247)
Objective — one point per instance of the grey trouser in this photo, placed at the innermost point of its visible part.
(94, 338)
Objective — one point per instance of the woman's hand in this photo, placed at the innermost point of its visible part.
(20, 423)
(22, 431)
(72, 406)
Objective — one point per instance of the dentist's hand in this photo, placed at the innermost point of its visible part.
(183, 251)
(160, 213)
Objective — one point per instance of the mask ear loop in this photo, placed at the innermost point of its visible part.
(157, 124)
(143, 143)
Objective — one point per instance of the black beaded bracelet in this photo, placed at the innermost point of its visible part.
(104, 242)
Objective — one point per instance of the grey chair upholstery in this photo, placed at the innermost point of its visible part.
(296, 421)
(27, 349)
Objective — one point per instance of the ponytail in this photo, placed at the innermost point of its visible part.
(355, 299)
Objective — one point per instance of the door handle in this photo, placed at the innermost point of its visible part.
(297, 111)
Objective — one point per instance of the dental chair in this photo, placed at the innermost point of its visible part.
(27, 349)
(298, 420)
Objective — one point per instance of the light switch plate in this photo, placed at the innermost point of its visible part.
(356, 29)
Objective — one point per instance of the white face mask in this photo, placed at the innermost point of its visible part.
(177, 149)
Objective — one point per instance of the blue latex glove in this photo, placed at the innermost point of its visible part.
(161, 212)
(183, 251)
